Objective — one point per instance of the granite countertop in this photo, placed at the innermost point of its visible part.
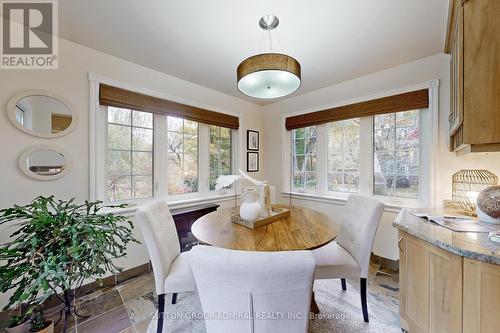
(472, 245)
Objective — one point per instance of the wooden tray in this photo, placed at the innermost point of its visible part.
(276, 215)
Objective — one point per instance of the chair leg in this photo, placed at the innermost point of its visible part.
(161, 310)
(344, 287)
(174, 298)
(363, 299)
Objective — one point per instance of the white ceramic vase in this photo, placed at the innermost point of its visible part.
(250, 208)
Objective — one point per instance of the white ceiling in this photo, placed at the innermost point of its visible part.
(203, 41)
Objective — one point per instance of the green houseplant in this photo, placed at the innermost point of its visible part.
(39, 324)
(56, 246)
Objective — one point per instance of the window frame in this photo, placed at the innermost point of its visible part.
(183, 133)
(421, 152)
(342, 193)
(366, 166)
(318, 146)
(428, 121)
(97, 139)
(106, 157)
(231, 161)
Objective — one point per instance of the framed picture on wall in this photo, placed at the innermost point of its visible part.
(252, 161)
(252, 140)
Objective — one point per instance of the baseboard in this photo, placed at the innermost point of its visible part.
(385, 263)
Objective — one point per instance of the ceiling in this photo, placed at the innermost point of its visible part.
(204, 41)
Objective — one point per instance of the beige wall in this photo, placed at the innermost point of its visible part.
(71, 82)
(423, 70)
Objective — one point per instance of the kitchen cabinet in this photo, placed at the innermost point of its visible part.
(481, 297)
(430, 287)
(474, 45)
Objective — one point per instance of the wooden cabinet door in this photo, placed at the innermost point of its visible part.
(481, 291)
(430, 289)
(402, 282)
(445, 292)
(456, 74)
(481, 48)
(417, 285)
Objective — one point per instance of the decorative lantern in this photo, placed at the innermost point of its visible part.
(466, 186)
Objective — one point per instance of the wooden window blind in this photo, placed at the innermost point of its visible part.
(397, 103)
(117, 97)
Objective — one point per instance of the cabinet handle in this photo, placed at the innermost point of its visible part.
(399, 244)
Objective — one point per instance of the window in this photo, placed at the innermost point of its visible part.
(182, 150)
(220, 153)
(343, 156)
(148, 155)
(396, 141)
(375, 156)
(304, 146)
(129, 154)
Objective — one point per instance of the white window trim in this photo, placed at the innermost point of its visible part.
(97, 146)
(428, 160)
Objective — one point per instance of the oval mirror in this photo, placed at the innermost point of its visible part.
(41, 114)
(44, 163)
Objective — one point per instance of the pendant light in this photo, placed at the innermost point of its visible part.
(268, 75)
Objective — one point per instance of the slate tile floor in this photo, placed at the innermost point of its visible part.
(129, 307)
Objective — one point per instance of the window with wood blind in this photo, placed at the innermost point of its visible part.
(147, 153)
(380, 154)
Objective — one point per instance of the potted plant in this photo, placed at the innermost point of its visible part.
(56, 247)
(18, 324)
(39, 324)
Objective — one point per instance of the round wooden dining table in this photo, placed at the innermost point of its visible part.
(304, 229)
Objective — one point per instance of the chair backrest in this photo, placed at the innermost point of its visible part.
(359, 224)
(253, 292)
(160, 236)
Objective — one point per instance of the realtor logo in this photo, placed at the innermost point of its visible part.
(29, 34)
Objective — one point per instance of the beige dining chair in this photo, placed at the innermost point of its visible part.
(253, 292)
(349, 255)
(171, 268)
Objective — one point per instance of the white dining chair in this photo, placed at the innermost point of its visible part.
(171, 268)
(349, 255)
(253, 292)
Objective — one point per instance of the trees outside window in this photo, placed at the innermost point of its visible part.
(220, 153)
(304, 147)
(129, 154)
(182, 150)
(396, 167)
(377, 155)
(343, 156)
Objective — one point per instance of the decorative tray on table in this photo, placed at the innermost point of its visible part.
(276, 215)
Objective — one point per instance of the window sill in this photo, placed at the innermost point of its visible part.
(175, 203)
(390, 205)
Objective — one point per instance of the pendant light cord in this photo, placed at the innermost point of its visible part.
(270, 40)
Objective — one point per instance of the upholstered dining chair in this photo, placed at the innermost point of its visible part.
(349, 255)
(253, 292)
(171, 268)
